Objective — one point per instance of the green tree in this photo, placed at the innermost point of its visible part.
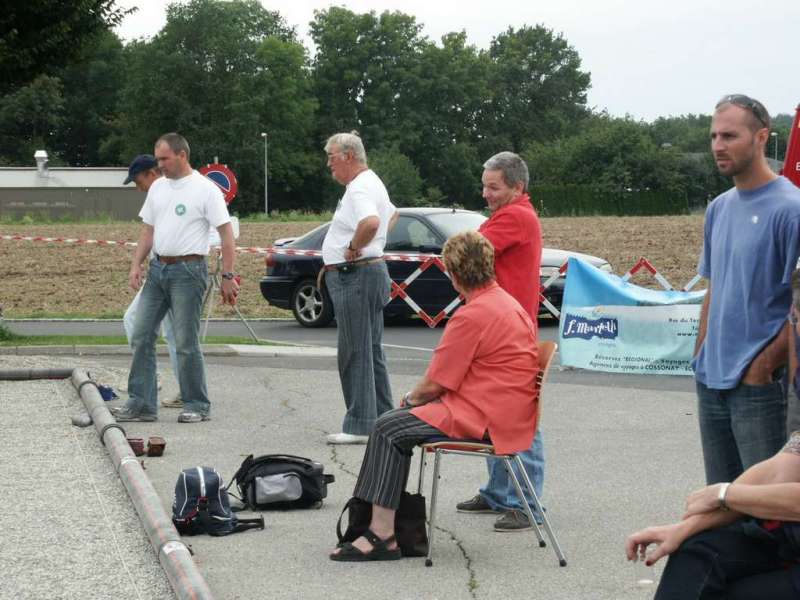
(39, 36)
(538, 90)
(29, 118)
(688, 133)
(91, 97)
(221, 73)
(365, 71)
(610, 154)
(398, 174)
(449, 101)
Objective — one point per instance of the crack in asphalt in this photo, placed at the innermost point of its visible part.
(472, 581)
(339, 462)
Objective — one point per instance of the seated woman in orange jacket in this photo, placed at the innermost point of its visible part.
(479, 384)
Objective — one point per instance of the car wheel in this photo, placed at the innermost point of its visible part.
(311, 307)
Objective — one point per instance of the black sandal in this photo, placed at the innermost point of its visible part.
(380, 550)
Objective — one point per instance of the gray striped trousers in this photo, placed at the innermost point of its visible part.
(387, 459)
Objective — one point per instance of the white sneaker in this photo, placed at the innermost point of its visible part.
(346, 438)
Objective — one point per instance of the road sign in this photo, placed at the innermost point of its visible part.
(224, 178)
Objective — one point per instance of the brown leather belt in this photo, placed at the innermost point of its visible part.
(171, 260)
(345, 267)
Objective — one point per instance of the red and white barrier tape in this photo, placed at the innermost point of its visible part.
(39, 238)
(398, 289)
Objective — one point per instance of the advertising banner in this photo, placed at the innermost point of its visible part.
(608, 324)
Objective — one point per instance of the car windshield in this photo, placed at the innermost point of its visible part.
(311, 240)
(451, 223)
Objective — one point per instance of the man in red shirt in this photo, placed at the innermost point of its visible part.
(516, 234)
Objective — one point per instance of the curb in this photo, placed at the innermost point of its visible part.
(244, 350)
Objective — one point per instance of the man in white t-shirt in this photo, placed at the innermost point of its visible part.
(179, 209)
(359, 285)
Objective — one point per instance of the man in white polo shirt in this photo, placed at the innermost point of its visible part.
(359, 286)
(179, 209)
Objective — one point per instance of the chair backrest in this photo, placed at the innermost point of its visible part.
(547, 350)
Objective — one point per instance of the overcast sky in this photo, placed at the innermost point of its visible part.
(647, 58)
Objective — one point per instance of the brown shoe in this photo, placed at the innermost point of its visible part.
(475, 505)
(173, 402)
(513, 520)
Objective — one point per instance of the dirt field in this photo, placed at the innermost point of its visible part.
(68, 280)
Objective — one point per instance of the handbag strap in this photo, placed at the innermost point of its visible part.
(240, 471)
(339, 533)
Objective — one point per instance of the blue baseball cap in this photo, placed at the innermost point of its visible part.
(140, 164)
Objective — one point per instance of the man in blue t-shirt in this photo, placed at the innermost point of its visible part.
(751, 246)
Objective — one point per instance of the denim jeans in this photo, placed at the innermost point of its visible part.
(740, 427)
(500, 493)
(129, 320)
(727, 564)
(178, 288)
(359, 296)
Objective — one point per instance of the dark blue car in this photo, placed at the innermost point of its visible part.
(290, 281)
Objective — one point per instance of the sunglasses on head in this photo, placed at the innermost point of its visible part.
(751, 104)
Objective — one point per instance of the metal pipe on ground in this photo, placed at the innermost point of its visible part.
(27, 374)
(174, 556)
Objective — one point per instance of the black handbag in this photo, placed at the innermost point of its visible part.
(281, 482)
(409, 523)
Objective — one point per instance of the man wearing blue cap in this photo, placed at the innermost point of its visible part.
(143, 172)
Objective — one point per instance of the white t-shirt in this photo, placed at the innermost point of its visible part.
(181, 212)
(365, 196)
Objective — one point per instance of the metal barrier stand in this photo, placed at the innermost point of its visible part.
(212, 291)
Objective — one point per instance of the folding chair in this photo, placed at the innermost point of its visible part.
(485, 449)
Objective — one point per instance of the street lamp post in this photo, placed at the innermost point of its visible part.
(266, 195)
(775, 135)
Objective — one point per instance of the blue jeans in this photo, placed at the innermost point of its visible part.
(359, 296)
(178, 288)
(740, 427)
(500, 493)
(129, 320)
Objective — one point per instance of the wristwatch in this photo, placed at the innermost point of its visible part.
(228, 275)
(723, 491)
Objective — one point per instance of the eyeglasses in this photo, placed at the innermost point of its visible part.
(754, 106)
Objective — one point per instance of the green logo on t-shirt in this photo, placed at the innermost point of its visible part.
(180, 210)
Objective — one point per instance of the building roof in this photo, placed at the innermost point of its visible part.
(64, 177)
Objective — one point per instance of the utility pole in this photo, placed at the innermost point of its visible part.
(266, 172)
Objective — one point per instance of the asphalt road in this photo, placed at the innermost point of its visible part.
(406, 344)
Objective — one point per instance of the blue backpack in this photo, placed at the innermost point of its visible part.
(201, 505)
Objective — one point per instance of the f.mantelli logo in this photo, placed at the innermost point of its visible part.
(585, 329)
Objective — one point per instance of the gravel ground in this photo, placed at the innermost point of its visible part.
(69, 529)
